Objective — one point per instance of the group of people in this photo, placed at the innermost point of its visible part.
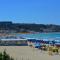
(52, 49)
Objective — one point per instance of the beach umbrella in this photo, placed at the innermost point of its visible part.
(57, 41)
(37, 45)
(46, 41)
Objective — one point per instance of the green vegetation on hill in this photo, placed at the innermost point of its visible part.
(20, 27)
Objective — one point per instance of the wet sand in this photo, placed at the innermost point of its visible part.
(27, 53)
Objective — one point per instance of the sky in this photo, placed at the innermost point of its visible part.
(30, 11)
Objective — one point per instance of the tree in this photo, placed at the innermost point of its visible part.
(5, 56)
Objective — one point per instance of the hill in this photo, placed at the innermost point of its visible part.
(22, 27)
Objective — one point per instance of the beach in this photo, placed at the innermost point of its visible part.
(27, 53)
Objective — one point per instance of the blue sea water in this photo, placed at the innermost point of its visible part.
(41, 35)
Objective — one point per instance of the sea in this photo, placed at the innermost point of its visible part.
(41, 35)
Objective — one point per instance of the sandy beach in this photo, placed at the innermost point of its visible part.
(27, 53)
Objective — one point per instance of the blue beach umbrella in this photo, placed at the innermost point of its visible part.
(46, 41)
(37, 45)
(31, 39)
(57, 42)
